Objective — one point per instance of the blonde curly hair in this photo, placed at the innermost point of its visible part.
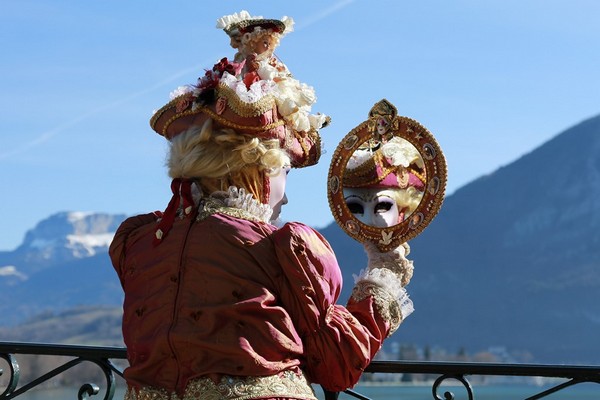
(408, 198)
(250, 40)
(219, 158)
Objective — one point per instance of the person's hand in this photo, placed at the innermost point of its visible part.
(394, 260)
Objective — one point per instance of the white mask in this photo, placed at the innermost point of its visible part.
(372, 207)
(277, 197)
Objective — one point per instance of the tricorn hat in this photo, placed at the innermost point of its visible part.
(258, 99)
(393, 164)
(243, 22)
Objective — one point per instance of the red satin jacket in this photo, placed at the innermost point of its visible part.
(231, 296)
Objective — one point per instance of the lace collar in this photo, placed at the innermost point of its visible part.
(237, 203)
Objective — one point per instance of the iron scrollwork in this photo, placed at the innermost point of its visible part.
(449, 395)
(99, 356)
(102, 356)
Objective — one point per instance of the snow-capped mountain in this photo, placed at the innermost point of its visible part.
(62, 262)
(61, 238)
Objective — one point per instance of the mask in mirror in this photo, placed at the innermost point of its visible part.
(387, 179)
(384, 181)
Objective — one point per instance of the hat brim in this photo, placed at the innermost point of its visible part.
(259, 119)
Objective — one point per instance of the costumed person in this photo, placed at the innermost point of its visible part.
(219, 302)
(384, 182)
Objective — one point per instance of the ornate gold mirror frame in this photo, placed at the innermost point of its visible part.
(363, 161)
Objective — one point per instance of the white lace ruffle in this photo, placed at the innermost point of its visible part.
(294, 102)
(289, 25)
(391, 283)
(181, 90)
(294, 99)
(257, 90)
(238, 198)
(227, 20)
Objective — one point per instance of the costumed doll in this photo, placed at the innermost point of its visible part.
(219, 302)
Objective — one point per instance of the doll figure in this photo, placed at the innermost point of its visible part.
(256, 39)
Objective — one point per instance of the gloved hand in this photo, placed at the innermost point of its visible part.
(385, 278)
(394, 260)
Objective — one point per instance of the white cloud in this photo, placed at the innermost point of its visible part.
(11, 271)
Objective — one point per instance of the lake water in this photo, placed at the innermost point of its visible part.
(392, 392)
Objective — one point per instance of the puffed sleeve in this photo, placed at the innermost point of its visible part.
(339, 342)
(116, 250)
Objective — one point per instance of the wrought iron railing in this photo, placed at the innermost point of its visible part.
(107, 358)
(100, 356)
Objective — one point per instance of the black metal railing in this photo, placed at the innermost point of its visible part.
(102, 357)
(107, 358)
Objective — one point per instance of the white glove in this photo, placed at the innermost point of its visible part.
(384, 279)
(394, 260)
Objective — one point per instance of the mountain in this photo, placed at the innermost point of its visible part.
(62, 263)
(511, 261)
(61, 238)
(513, 258)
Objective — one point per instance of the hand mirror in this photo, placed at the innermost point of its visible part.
(387, 179)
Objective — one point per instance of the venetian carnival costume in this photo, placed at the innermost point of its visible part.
(221, 304)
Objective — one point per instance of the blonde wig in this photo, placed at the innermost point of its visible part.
(407, 199)
(250, 40)
(219, 158)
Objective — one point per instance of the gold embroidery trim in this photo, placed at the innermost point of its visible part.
(316, 138)
(386, 305)
(286, 384)
(226, 122)
(243, 108)
(163, 109)
(218, 118)
(240, 107)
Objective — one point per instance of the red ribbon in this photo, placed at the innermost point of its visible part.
(182, 197)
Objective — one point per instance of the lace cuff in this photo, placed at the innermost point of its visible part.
(389, 296)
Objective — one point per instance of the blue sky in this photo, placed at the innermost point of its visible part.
(79, 80)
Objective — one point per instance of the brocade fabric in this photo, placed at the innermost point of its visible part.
(287, 385)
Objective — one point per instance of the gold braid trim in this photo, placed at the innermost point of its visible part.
(286, 384)
(242, 108)
(163, 109)
(238, 106)
(230, 124)
(317, 143)
(314, 135)
(220, 120)
(385, 303)
(357, 177)
(418, 175)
